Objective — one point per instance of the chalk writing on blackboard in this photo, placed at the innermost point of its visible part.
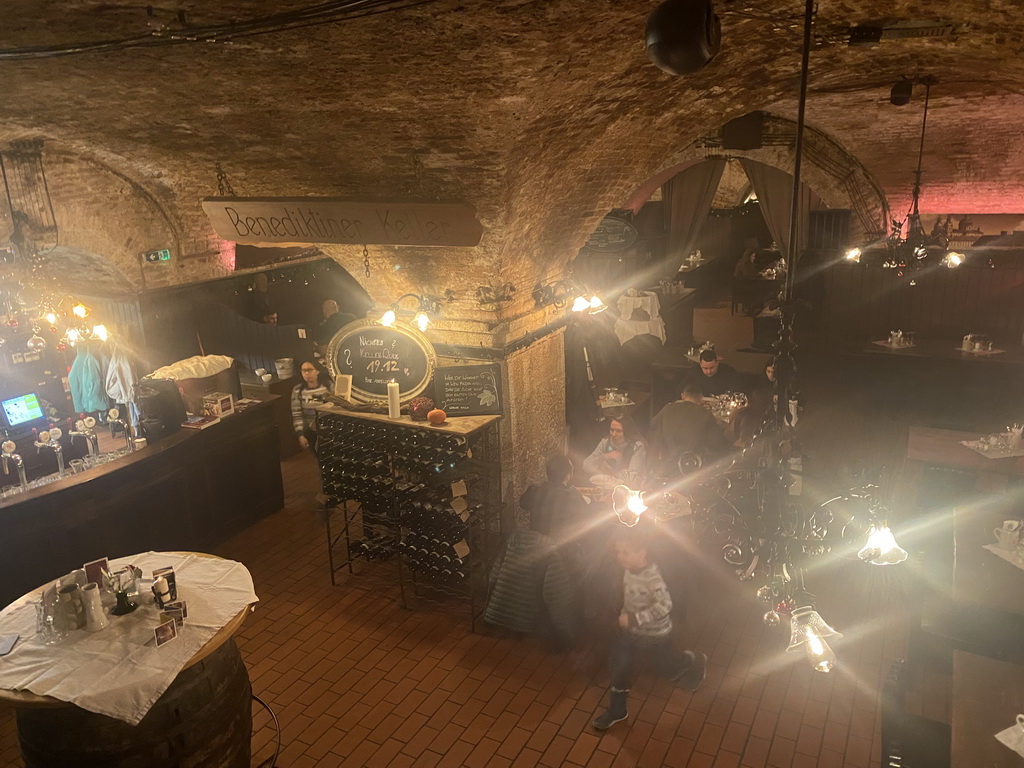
(469, 390)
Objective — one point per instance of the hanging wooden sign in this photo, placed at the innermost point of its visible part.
(373, 355)
(256, 220)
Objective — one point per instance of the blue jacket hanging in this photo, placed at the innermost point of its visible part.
(88, 394)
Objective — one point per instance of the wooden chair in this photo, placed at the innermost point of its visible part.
(910, 741)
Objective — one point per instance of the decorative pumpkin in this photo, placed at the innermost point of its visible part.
(419, 407)
(436, 416)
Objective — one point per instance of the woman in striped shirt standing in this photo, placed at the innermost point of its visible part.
(306, 396)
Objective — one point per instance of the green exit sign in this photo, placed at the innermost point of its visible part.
(153, 257)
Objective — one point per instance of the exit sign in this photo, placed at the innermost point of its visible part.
(152, 257)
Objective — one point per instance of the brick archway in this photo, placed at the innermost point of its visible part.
(837, 177)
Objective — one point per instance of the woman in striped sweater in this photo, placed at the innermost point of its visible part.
(306, 396)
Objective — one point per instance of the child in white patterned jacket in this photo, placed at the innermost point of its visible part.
(645, 627)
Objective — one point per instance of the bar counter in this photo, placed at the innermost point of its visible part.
(190, 491)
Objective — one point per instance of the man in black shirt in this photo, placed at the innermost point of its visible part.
(713, 378)
(334, 320)
(682, 427)
(556, 509)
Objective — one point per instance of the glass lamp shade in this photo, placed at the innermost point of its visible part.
(628, 504)
(35, 343)
(388, 318)
(580, 304)
(881, 547)
(807, 633)
(596, 305)
(422, 320)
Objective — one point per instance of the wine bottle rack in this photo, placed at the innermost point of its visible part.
(427, 498)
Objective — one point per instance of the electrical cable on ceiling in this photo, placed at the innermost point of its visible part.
(325, 13)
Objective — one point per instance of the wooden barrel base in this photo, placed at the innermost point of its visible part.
(203, 720)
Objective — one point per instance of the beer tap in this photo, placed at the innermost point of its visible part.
(84, 428)
(51, 439)
(7, 454)
(114, 417)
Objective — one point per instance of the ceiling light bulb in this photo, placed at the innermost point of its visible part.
(100, 332)
(74, 335)
(388, 318)
(51, 318)
(853, 255)
(422, 321)
(881, 547)
(635, 503)
(79, 310)
(580, 304)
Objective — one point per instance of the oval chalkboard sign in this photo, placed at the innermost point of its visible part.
(468, 390)
(612, 235)
(373, 355)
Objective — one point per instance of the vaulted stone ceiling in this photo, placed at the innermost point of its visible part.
(543, 114)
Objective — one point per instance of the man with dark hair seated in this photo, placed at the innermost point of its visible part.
(684, 427)
(713, 377)
(555, 508)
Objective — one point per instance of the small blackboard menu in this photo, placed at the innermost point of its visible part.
(468, 390)
(373, 355)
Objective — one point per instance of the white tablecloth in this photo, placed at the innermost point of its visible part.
(1008, 556)
(119, 671)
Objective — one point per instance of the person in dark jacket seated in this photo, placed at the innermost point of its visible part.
(556, 509)
(684, 427)
(713, 378)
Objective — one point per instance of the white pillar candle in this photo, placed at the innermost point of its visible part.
(394, 406)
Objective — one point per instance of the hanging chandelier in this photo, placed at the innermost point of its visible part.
(754, 501)
(35, 311)
(908, 245)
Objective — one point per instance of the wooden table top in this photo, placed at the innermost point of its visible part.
(987, 696)
(229, 630)
(942, 446)
(455, 425)
(979, 576)
(941, 349)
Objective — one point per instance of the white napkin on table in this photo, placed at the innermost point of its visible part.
(1013, 737)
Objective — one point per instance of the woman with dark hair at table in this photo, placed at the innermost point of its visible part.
(308, 394)
(623, 449)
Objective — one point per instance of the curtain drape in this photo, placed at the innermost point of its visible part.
(688, 196)
(774, 190)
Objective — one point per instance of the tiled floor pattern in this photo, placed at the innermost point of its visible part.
(356, 680)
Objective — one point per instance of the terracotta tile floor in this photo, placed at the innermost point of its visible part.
(356, 680)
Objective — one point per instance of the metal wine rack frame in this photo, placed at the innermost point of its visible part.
(390, 521)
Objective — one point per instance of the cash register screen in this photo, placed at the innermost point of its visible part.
(20, 409)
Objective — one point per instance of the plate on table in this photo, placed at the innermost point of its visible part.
(604, 481)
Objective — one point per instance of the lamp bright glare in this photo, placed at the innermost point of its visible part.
(79, 310)
(596, 305)
(422, 321)
(100, 332)
(853, 255)
(74, 335)
(628, 505)
(388, 318)
(51, 318)
(580, 304)
(881, 547)
(953, 259)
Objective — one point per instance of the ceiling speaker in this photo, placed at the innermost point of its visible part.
(683, 36)
(745, 132)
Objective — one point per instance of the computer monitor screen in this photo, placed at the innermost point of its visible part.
(20, 409)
